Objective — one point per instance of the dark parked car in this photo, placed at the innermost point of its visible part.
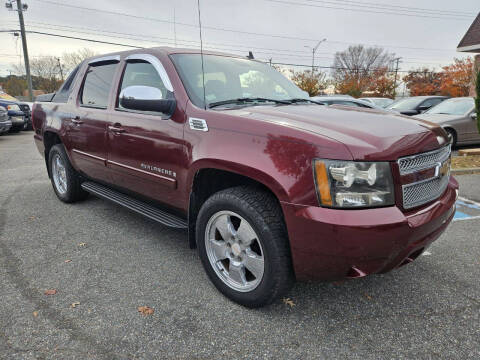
(270, 186)
(416, 104)
(24, 107)
(17, 117)
(5, 122)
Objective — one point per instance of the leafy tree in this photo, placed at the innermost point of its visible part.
(355, 69)
(14, 85)
(423, 82)
(457, 78)
(311, 82)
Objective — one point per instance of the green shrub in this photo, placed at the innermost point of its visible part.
(477, 99)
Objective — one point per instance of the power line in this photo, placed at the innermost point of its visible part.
(368, 11)
(226, 29)
(390, 7)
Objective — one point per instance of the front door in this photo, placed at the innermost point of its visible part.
(145, 150)
(87, 124)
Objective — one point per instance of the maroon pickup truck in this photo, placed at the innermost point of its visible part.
(270, 185)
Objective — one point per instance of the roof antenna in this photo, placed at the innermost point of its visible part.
(201, 54)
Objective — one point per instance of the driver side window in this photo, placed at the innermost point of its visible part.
(141, 73)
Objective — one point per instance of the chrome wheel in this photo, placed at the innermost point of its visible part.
(234, 251)
(59, 174)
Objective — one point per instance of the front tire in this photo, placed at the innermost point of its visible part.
(65, 180)
(243, 244)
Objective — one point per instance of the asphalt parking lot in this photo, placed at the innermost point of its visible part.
(108, 262)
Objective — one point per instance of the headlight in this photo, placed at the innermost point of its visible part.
(352, 184)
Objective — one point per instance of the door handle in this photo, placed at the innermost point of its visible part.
(116, 129)
(76, 120)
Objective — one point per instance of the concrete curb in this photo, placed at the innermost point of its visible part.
(475, 170)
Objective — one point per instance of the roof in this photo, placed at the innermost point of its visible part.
(165, 50)
(471, 40)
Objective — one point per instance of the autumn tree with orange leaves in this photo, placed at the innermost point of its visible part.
(454, 80)
(457, 78)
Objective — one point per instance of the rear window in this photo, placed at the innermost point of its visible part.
(96, 87)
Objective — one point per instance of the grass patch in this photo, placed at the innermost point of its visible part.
(464, 162)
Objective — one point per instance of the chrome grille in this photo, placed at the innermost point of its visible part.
(422, 192)
(427, 160)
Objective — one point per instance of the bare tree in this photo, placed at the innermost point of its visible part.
(358, 64)
(72, 59)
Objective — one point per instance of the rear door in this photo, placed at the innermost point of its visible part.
(145, 149)
(87, 124)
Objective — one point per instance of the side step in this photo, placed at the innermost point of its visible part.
(138, 206)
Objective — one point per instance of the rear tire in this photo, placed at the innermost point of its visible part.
(65, 180)
(252, 275)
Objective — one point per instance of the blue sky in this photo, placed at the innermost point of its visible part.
(277, 29)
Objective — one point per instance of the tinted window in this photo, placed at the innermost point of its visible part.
(143, 74)
(64, 92)
(431, 102)
(405, 104)
(97, 85)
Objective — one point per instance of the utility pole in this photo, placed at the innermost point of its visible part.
(314, 49)
(396, 73)
(60, 67)
(20, 9)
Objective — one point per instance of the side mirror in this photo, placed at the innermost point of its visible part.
(146, 98)
(423, 108)
(473, 116)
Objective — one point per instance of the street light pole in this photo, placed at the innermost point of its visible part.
(314, 49)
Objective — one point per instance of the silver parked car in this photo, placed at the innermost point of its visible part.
(379, 101)
(5, 122)
(458, 117)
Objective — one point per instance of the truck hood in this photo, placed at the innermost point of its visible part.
(367, 133)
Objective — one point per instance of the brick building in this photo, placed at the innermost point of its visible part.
(471, 43)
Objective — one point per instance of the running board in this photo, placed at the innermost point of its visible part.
(138, 206)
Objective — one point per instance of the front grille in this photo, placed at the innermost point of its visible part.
(421, 192)
(423, 161)
(25, 109)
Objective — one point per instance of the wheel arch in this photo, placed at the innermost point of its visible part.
(50, 139)
(207, 180)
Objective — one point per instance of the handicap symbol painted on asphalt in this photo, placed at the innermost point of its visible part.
(466, 209)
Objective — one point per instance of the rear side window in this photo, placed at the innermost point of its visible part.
(64, 92)
(96, 87)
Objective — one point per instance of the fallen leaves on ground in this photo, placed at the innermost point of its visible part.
(368, 297)
(463, 162)
(50, 292)
(82, 244)
(35, 314)
(289, 302)
(74, 305)
(145, 310)
(68, 260)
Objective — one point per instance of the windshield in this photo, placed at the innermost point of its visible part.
(406, 104)
(453, 107)
(229, 78)
(382, 102)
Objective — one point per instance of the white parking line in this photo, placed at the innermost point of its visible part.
(467, 218)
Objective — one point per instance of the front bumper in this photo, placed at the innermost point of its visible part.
(332, 244)
(17, 121)
(5, 126)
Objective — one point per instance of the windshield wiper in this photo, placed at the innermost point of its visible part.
(247, 100)
(297, 100)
